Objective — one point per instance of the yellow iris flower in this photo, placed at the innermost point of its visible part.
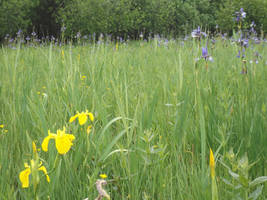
(63, 141)
(24, 175)
(82, 117)
(212, 165)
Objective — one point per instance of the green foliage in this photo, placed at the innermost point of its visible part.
(126, 18)
(256, 11)
(14, 15)
(168, 17)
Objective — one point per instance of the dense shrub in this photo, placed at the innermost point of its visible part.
(14, 15)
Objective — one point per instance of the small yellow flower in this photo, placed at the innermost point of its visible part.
(83, 77)
(24, 175)
(2, 125)
(34, 148)
(82, 117)
(38, 92)
(5, 130)
(63, 141)
(103, 176)
(212, 165)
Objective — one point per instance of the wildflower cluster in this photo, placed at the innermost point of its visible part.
(63, 143)
(244, 40)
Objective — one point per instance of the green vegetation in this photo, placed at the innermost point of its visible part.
(125, 18)
(157, 111)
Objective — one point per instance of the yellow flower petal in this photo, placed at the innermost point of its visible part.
(212, 164)
(46, 140)
(34, 148)
(24, 177)
(103, 176)
(73, 118)
(91, 116)
(64, 143)
(2, 126)
(82, 118)
(42, 168)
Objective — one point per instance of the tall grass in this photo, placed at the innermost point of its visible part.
(157, 111)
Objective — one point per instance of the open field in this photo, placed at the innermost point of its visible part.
(158, 108)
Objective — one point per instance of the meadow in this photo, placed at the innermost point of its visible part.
(149, 114)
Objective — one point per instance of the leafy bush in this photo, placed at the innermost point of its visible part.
(14, 15)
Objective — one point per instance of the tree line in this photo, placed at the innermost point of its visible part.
(126, 18)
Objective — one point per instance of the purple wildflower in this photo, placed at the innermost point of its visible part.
(243, 42)
(205, 54)
(19, 33)
(240, 15)
(197, 33)
(243, 14)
